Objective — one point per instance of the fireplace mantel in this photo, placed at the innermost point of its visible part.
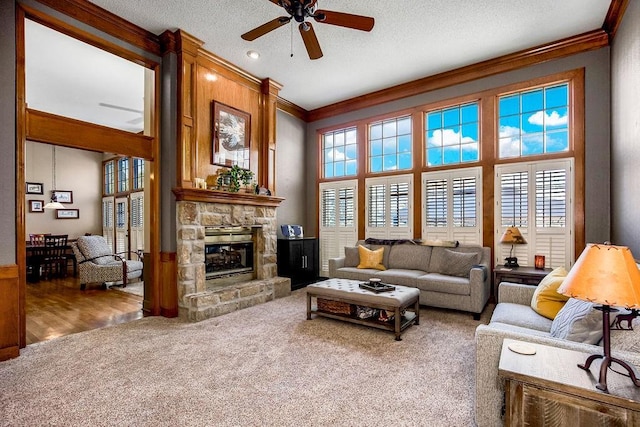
(214, 196)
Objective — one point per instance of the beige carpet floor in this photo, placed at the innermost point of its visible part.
(261, 366)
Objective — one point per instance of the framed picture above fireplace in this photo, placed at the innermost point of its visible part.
(231, 136)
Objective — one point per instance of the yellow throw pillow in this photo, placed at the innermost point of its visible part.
(546, 300)
(371, 259)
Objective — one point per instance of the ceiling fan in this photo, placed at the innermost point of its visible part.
(300, 10)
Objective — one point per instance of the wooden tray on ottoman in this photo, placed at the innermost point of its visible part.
(335, 295)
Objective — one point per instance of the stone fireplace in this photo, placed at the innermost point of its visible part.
(230, 284)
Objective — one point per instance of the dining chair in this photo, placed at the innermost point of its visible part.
(35, 256)
(37, 239)
(55, 257)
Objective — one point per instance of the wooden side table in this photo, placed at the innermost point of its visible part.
(548, 389)
(525, 275)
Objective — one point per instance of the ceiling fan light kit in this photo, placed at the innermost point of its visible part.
(300, 10)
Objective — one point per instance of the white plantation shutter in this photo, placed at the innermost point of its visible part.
(552, 233)
(376, 214)
(452, 205)
(122, 225)
(338, 220)
(108, 217)
(136, 226)
(388, 207)
(537, 198)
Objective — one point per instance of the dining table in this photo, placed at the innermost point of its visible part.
(36, 255)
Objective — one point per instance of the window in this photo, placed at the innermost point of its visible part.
(340, 153)
(338, 220)
(537, 198)
(123, 174)
(390, 145)
(138, 174)
(388, 208)
(452, 135)
(452, 208)
(108, 177)
(534, 122)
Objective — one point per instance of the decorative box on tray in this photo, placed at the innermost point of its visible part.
(376, 285)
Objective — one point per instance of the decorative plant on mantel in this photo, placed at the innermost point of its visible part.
(230, 179)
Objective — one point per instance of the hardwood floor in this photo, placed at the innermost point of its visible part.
(58, 307)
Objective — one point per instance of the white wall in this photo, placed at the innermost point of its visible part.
(290, 177)
(78, 171)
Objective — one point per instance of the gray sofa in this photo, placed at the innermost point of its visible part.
(447, 277)
(513, 318)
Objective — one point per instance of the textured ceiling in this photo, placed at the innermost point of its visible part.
(411, 39)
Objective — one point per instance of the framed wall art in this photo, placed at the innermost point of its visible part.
(67, 213)
(231, 136)
(34, 188)
(63, 196)
(36, 206)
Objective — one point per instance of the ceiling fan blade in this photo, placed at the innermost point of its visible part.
(310, 40)
(357, 22)
(286, 2)
(265, 28)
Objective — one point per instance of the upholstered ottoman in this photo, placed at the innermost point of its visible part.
(341, 298)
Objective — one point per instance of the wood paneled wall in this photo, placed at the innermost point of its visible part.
(204, 78)
(9, 312)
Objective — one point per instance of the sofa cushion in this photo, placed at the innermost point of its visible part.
(626, 340)
(351, 256)
(452, 263)
(371, 258)
(546, 300)
(520, 315)
(354, 273)
(446, 284)
(410, 257)
(578, 321)
(400, 277)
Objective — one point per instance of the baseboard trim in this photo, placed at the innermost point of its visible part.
(9, 353)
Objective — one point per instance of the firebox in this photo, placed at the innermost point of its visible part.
(228, 251)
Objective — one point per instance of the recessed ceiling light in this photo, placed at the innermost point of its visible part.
(253, 54)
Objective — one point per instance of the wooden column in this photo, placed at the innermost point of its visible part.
(187, 49)
(267, 164)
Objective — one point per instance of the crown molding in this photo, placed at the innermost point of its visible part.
(614, 17)
(103, 20)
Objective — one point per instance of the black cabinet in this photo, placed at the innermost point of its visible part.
(298, 260)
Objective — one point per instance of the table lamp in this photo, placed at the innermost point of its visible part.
(606, 275)
(512, 235)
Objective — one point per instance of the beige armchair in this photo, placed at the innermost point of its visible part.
(98, 263)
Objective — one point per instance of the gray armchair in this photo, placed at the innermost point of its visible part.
(98, 263)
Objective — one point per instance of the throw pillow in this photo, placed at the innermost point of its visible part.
(371, 259)
(546, 300)
(578, 321)
(351, 257)
(458, 263)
